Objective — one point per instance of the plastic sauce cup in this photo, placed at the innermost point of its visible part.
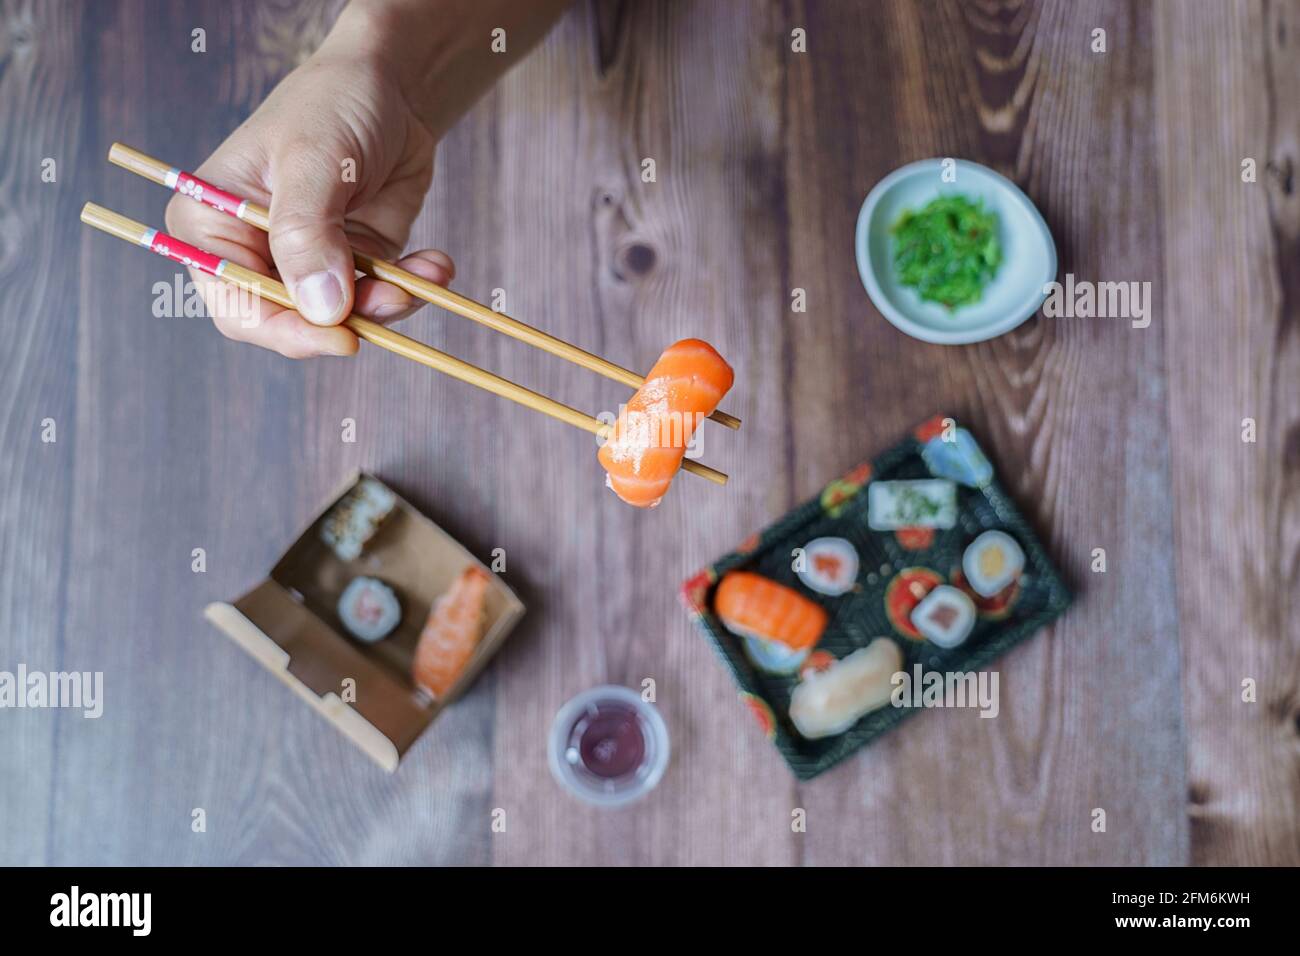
(608, 746)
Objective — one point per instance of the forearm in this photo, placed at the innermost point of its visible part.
(441, 51)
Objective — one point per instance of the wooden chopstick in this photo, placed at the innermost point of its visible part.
(178, 180)
(170, 247)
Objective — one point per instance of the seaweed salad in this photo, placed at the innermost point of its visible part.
(948, 251)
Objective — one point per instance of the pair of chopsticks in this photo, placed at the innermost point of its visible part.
(268, 288)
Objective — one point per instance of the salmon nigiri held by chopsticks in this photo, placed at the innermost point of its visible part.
(451, 633)
(645, 448)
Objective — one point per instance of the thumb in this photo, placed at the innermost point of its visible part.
(308, 200)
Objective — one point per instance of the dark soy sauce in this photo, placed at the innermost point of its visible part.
(608, 746)
(608, 739)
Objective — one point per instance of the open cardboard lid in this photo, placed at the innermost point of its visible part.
(289, 624)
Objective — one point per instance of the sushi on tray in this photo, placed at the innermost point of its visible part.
(916, 559)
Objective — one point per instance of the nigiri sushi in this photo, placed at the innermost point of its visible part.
(451, 633)
(830, 701)
(780, 626)
(645, 448)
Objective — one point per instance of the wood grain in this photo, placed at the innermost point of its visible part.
(685, 255)
(172, 438)
(1231, 268)
(39, 90)
(1072, 410)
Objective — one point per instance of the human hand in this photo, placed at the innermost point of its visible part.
(293, 155)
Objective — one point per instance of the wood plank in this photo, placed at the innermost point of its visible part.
(189, 440)
(1072, 412)
(1227, 78)
(690, 254)
(41, 117)
(154, 465)
(172, 438)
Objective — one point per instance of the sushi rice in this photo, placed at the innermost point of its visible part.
(369, 609)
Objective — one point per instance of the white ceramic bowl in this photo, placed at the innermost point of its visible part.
(1018, 288)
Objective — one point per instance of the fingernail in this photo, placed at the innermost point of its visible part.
(319, 298)
(389, 309)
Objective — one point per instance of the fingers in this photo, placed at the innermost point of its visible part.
(385, 302)
(308, 201)
(240, 315)
(216, 232)
(243, 317)
(263, 323)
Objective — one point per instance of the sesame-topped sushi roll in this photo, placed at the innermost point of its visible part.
(355, 519)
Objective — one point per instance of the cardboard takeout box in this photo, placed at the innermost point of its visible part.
(289, 624)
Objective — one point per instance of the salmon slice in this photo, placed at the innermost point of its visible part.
(645, 448)
(754, 606)
(451, 633)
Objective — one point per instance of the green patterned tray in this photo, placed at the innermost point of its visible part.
(936, 448)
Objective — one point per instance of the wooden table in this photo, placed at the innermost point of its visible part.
(170, 438)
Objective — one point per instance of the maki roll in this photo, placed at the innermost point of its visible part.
(369, 609)
(355, 519)
(830, 566)
(992, 561)
(946, 616)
